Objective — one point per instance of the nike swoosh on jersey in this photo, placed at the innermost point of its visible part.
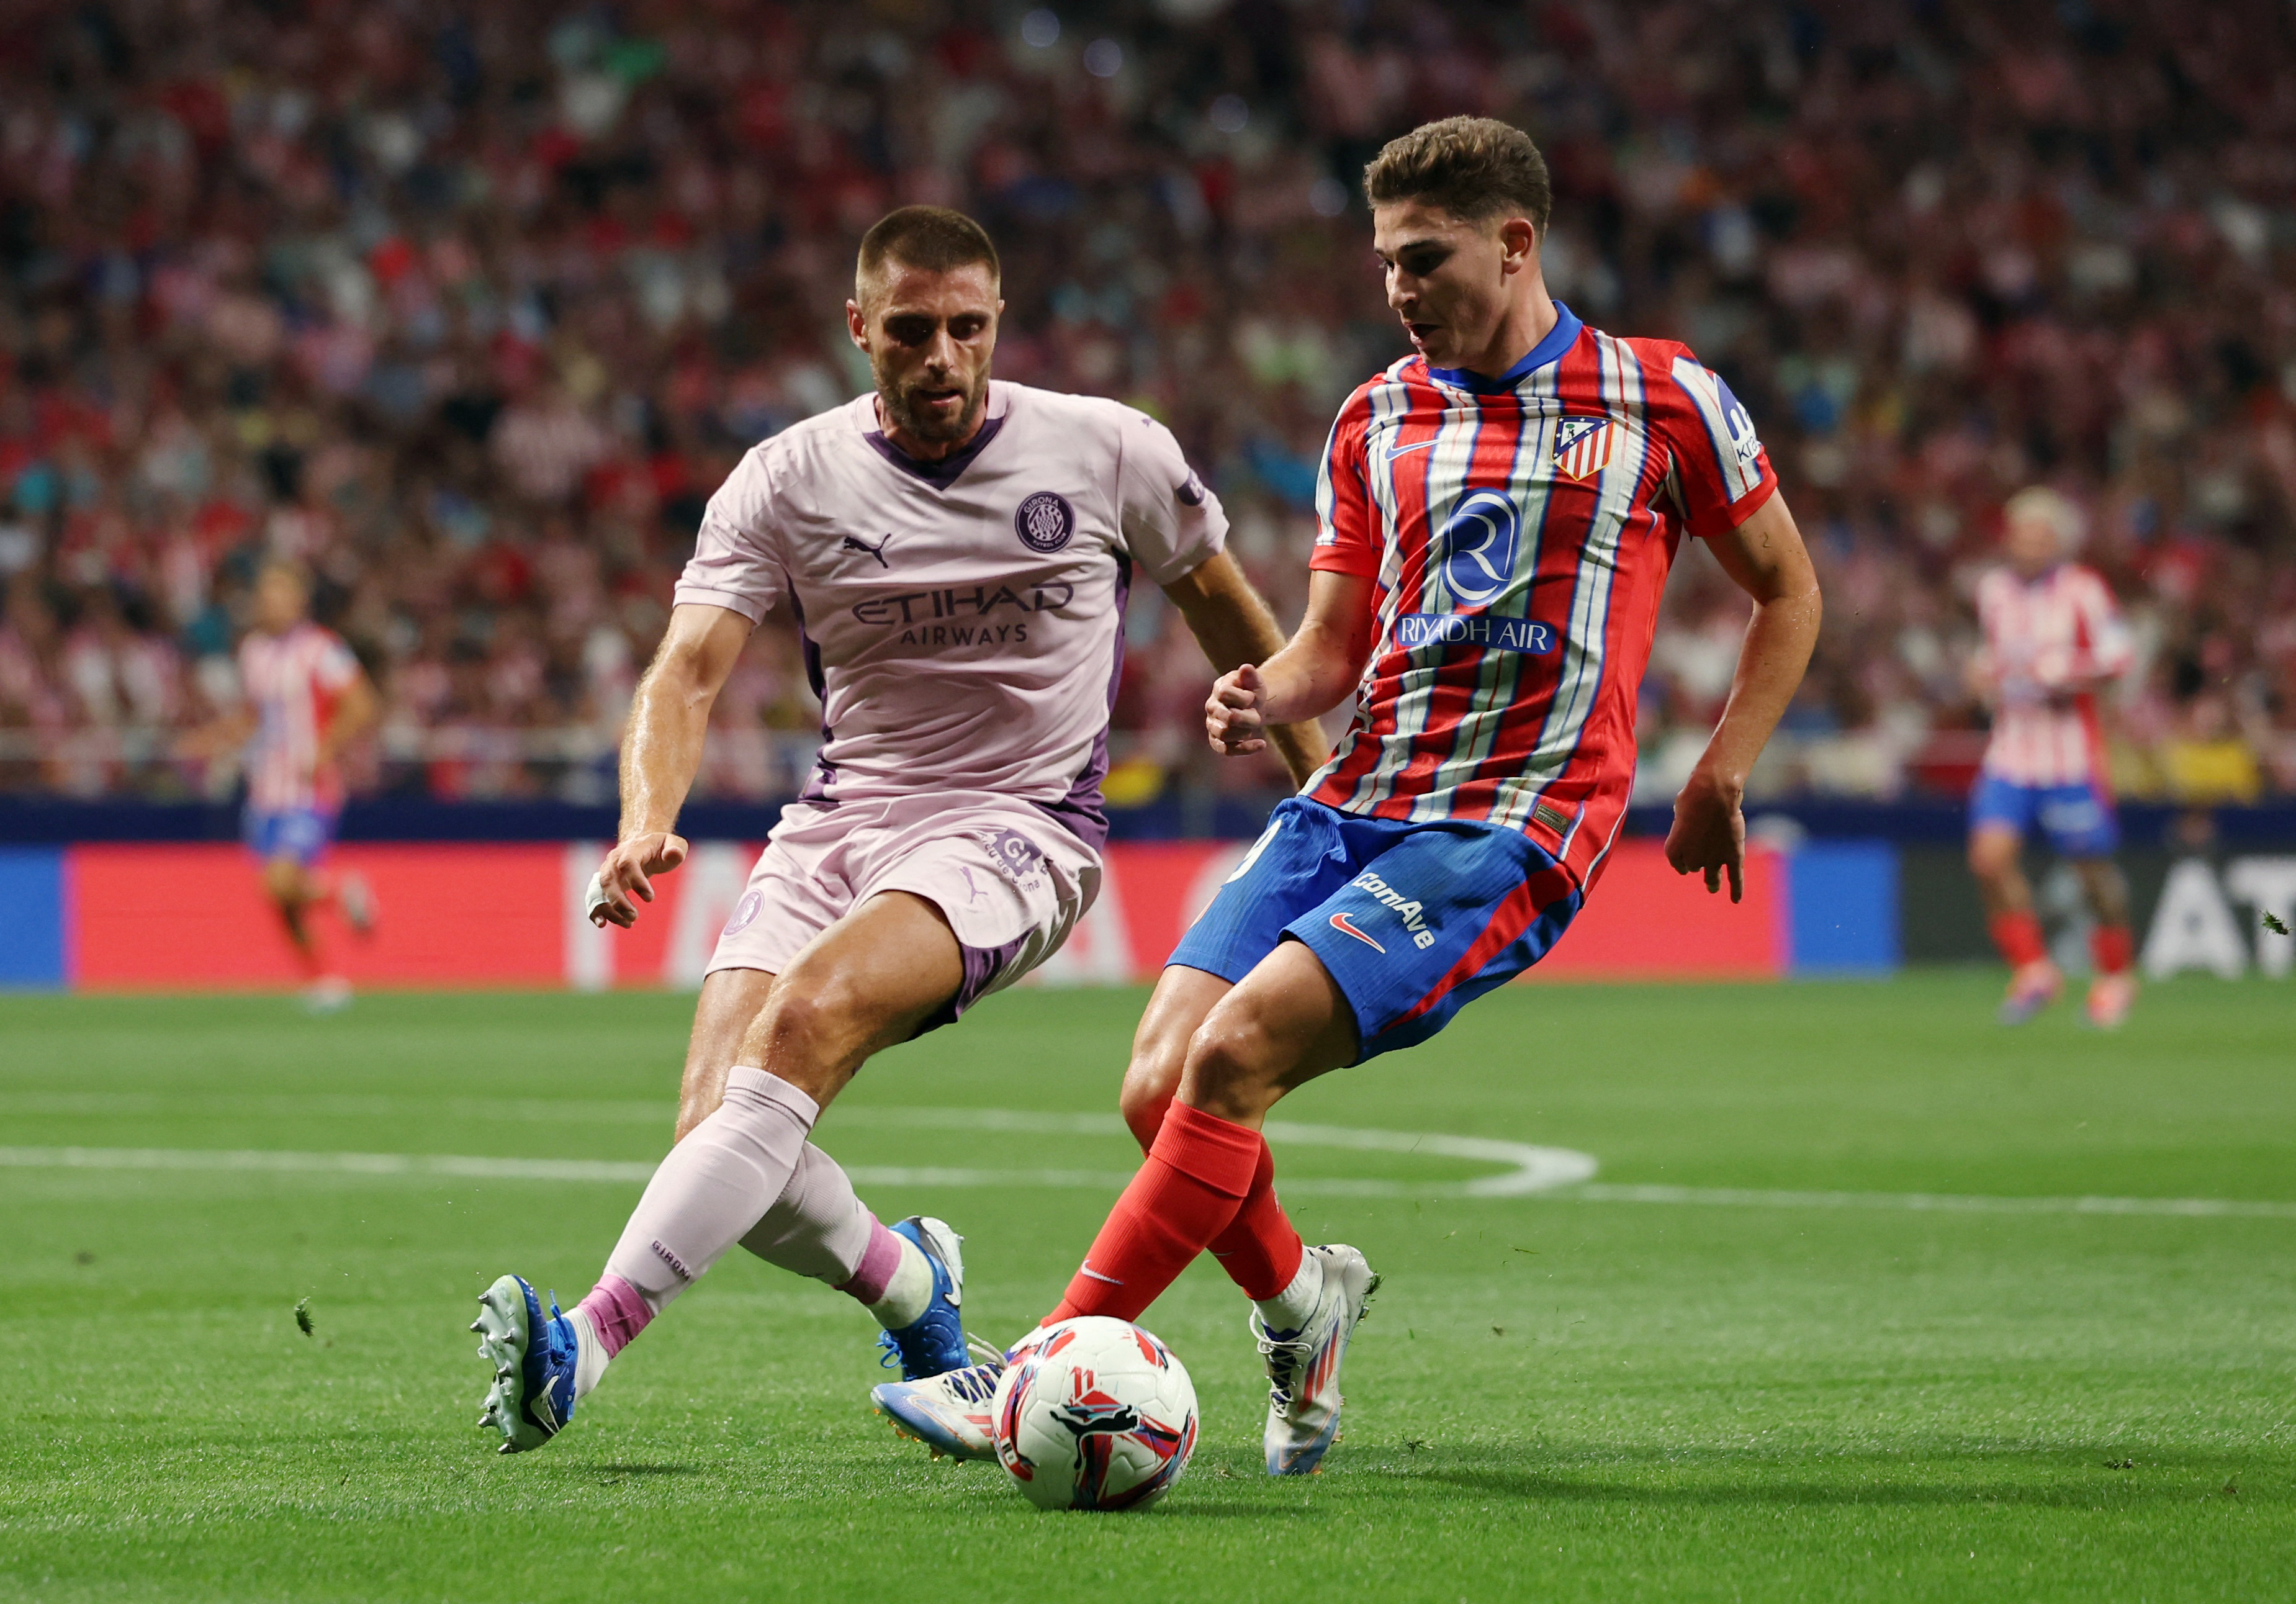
(1394, 451)
(1096, 1275)
(1345, 926)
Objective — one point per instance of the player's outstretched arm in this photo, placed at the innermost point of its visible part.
(1306, 679)
(1232, 623)
(661, 752)
(1766, 557)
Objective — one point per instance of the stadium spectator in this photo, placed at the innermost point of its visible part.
(469, 310)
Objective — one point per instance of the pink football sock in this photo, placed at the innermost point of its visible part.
(875, 1272)
(617, 1313)
(714, 1186)
(817, 1227)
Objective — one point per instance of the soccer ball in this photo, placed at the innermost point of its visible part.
(1097, 1414)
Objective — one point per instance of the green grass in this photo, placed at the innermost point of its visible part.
(1553, 1399)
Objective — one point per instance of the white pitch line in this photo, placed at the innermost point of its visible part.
(252, 1161)
(263, 1161)
(1527, 1168)
(1931, 1202)
(459, 1167)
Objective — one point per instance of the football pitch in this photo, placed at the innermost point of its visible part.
(1868, 1300)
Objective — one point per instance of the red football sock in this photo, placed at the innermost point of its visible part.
(2112, 948)
(2018, 937)
(1196, 1177)
(1259, 1250)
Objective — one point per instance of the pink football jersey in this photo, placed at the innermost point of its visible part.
(964, 620)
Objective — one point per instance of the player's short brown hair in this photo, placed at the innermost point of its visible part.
(1474, 168)
(930, 237)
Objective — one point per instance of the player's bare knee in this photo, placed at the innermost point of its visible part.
(1233, 1070)
(797, 1019)
(1151, 1079)
(810, 1036)
(1148, 1088)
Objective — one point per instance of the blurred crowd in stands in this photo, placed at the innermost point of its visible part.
(470, 307)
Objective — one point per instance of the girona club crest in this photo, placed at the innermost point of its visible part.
(1045, 522)
(1582, 446)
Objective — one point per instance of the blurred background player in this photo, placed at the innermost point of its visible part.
(1499, 512)
(2053, 640)
(958, 553)
(303, 697)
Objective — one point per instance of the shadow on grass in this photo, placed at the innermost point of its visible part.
(642, 1470)
(1894, 1482)
(1192, 1504)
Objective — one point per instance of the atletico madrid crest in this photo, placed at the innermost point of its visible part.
(1582, 447)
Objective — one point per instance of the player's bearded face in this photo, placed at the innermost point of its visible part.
(929, 337)
(1446, 279)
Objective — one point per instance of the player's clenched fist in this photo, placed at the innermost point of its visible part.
(629, 870)
(1232, 717)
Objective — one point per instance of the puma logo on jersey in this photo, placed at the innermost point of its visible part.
(855, 543)
(1407, 909)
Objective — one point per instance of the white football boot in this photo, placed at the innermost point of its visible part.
(1303, 1366)
(950, 1413)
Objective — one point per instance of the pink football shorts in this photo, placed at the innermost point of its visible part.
(1009, 878)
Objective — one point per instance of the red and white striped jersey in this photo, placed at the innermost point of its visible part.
(292, 681)
(1519, 530)
(2049, 642)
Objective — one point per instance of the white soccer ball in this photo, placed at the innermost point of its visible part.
(1097, 1414)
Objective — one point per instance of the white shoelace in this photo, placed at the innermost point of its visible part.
(976, 1384)
(1296, 1353)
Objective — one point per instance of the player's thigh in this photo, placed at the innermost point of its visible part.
(1279, 1027)
(870, 980)
(285, 880)
(1183, 999)
(1994, 850)
(731, 1000)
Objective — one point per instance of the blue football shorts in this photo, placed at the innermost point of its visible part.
(2079, 819)
(1414, 921)
(303, 834)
